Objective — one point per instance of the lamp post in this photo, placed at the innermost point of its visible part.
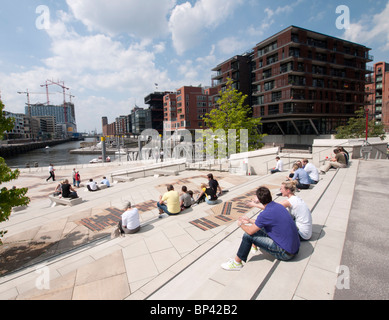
(367, 123)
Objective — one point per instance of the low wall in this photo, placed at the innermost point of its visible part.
(292, 140)
(254, 162)
(324, 148)
(148, 170)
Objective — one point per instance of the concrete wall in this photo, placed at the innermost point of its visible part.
(148, 169)
(294, 140)
(257, 162)
(324, 148)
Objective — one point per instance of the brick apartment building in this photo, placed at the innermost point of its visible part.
(301, 82)
(378, 94)
(238, 69)
(185, 109)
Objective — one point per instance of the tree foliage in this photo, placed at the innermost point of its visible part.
(356, 128)
(13, 197)
(233, 114)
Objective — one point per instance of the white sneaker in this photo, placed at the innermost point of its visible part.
(232, 265)
(254, 250)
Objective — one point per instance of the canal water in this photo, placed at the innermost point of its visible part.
(58, 155)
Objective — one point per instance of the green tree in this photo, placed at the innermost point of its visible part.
(233, 114)
(356, 128)
(13, 197)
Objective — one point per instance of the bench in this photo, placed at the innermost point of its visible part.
(64, 201)
(166, 172)
(123, 179)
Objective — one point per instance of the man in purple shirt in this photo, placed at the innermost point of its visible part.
(274, 231)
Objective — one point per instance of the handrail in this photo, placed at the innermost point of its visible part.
(386, 155)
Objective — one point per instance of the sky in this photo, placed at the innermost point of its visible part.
(112, 54)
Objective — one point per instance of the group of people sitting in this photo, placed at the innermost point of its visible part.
(305, 173)
(172, 203)
(92, 186)
(340, 159)
(278, 229)
(65, 190)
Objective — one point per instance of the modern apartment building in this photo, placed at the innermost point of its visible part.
(63, 115)
(238, 69)
(378, 94)
(155, 114)
(138, 120)
(186, 108)
(303, 82)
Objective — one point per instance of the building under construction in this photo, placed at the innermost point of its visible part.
(65, 116)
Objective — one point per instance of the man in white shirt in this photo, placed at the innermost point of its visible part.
(312, 171)
(279, 167)
(130, 223)
(92, 186)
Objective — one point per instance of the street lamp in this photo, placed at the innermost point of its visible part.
(367, 123)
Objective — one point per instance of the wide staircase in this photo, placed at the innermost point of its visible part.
(136, 268)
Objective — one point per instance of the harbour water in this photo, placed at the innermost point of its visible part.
(58, 156)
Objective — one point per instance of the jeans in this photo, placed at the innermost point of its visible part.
(211, 202)
(263, 241)
(163, 207)
(302, 186)
(312, 181)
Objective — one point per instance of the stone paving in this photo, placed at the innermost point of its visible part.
(174, 257)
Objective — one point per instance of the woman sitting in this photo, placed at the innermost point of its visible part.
(208, 194)
(68, 191)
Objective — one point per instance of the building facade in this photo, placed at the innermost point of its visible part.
(155, 114)
(378, 94)
(63, 115)
(238, 69)
(303, 82)
(186, 108)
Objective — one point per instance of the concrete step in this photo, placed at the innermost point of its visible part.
(206, 280)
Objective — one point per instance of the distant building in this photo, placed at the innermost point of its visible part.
(63, 115)
(155, 114)
(138, 120)
(186, 108)
(19, 131)
(378, 94)
(238, 69)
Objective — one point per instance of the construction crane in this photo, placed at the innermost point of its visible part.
(62, 85)
(70, 95)
(28, 99)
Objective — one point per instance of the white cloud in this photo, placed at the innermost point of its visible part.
(134, 17)
(106, 76)
(371, 29)
(189, 23)
(232, 45)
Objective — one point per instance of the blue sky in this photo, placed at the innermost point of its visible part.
(112, 53)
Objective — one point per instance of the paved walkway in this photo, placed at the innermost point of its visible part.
(174, 257)
(365, 257)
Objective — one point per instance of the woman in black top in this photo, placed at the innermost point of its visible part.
(207, 194)
(68, 191)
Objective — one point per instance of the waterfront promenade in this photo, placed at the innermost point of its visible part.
(178, 258)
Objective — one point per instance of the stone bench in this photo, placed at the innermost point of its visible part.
(166, 172)
(64, 201)
(123, 179)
